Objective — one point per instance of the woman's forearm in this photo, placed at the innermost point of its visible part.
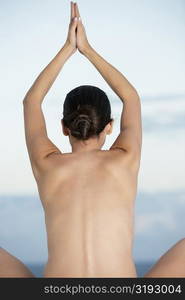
(47, 77)
(116, 80)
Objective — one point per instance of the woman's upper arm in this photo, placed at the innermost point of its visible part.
(130, 137)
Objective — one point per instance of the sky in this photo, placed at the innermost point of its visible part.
(145, 40)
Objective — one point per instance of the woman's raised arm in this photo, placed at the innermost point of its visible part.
(130, 137)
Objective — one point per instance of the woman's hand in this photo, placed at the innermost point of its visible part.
(72, 36)
(82, 42)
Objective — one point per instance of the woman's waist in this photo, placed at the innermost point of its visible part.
(89, 243)
(104, 265)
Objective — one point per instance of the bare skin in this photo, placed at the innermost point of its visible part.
(10, 266)
(89, 215)
(171, 263)
(88, 195)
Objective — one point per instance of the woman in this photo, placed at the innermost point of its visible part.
(87, 195)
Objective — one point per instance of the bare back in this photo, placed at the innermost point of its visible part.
(88, 201)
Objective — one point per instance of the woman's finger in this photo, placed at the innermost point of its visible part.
(77, 10)
(72, 10)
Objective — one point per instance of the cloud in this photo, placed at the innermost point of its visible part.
(22, 230)
(149, 221)
(159, 223)
(164, 115)
(159, 114)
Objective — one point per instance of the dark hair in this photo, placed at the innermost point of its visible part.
(86, 111)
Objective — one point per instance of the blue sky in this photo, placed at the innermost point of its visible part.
(145, 40)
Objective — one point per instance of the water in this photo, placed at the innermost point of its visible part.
(142, 268)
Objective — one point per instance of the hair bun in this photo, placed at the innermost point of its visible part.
(82, 126)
